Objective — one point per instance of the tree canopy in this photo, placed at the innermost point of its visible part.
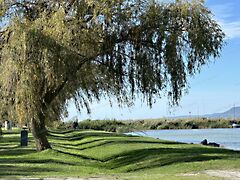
(53, 51)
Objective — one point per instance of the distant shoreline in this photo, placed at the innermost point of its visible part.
(123, 126)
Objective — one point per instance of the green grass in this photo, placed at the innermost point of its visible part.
(111, 156)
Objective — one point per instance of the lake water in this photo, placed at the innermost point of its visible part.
(228, 138)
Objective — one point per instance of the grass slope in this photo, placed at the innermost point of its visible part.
(111, 156)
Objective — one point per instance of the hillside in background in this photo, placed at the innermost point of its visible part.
(234, 112)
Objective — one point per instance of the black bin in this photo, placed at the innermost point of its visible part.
(24, 137)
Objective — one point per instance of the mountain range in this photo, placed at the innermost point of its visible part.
(233, 113)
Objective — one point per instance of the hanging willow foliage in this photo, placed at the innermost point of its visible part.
(53, 51)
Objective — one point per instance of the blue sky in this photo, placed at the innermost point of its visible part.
(215, 89)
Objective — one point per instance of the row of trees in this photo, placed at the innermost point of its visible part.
(53, 51)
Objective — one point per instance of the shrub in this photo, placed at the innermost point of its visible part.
(104, 125)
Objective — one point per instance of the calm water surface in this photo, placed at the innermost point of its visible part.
(228, 138)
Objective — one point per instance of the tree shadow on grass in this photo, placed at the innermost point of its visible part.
(158, 157)
(80, 136)
(84, 148)
(110, 142)
(145, 157)
(11, 170)
(101, 136)
(77, 144)
(60, 132)
(4, 146)
(77, 155)
(16, 151)
(10, 139)
(34, 161)
(155, 157)
(11, 132)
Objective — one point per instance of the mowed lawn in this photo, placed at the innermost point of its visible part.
(112, 156)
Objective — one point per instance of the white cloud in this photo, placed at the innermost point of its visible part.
(232, 29)
(230, 22)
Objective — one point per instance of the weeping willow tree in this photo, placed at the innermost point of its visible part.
(53, 51)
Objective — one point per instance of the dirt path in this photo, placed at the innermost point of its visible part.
(65, 178)
(221, 174)
(226, 174)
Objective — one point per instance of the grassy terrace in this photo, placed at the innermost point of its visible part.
(110, 156)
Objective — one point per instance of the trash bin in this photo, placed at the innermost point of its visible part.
(24, 137)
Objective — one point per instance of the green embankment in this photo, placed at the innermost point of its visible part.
(111, 156)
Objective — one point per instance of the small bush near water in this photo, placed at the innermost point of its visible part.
(105, 125)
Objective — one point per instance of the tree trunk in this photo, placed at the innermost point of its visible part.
(39, 133)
